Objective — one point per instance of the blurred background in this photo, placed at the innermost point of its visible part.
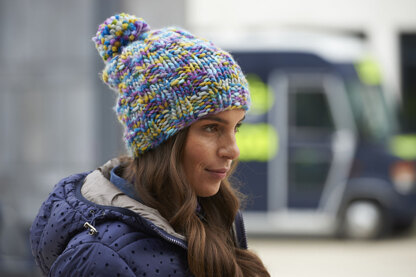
(328, 150)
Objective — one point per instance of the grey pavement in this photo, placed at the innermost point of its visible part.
(334, 257)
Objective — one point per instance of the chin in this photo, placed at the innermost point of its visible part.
(208, 192)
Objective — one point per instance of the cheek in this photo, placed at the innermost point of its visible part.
(194, 156)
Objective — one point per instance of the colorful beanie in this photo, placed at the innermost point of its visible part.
(166, 79)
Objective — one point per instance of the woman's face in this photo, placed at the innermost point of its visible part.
(210, 148)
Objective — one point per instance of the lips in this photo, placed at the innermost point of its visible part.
(218, 173)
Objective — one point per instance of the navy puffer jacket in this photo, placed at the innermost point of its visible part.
(84, 231)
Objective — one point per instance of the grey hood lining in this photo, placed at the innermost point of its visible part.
(97, 188)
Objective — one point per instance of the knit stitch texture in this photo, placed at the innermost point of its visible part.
(165, 79)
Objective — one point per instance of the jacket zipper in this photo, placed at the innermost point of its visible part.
(240, 225)
(169, 239)
(93, 231)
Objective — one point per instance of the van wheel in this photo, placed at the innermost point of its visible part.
(363, 219)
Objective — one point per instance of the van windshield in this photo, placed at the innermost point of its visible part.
(375, 120)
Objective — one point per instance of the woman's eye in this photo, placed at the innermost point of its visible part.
(237, 128)
(210, 128)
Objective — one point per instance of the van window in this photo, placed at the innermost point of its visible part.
(309, 109)
(374, 118)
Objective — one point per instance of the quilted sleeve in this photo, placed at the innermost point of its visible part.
(91, 259)
(144, 257)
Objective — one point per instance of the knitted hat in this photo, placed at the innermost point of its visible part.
(165, 79)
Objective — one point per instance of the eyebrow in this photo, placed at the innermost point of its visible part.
(220, 120)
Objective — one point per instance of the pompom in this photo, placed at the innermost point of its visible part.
(117, 32)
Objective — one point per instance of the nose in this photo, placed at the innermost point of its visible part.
(229, 148)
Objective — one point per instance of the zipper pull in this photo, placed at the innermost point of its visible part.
(92, 230)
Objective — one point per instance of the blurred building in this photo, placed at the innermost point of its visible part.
(56, 116)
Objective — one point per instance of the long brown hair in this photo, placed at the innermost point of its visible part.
(161, 184)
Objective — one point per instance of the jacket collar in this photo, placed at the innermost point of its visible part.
(97, 188)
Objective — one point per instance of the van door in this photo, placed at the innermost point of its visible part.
(317, 142)
(310, 131)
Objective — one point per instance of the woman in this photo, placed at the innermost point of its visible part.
(167, 209)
